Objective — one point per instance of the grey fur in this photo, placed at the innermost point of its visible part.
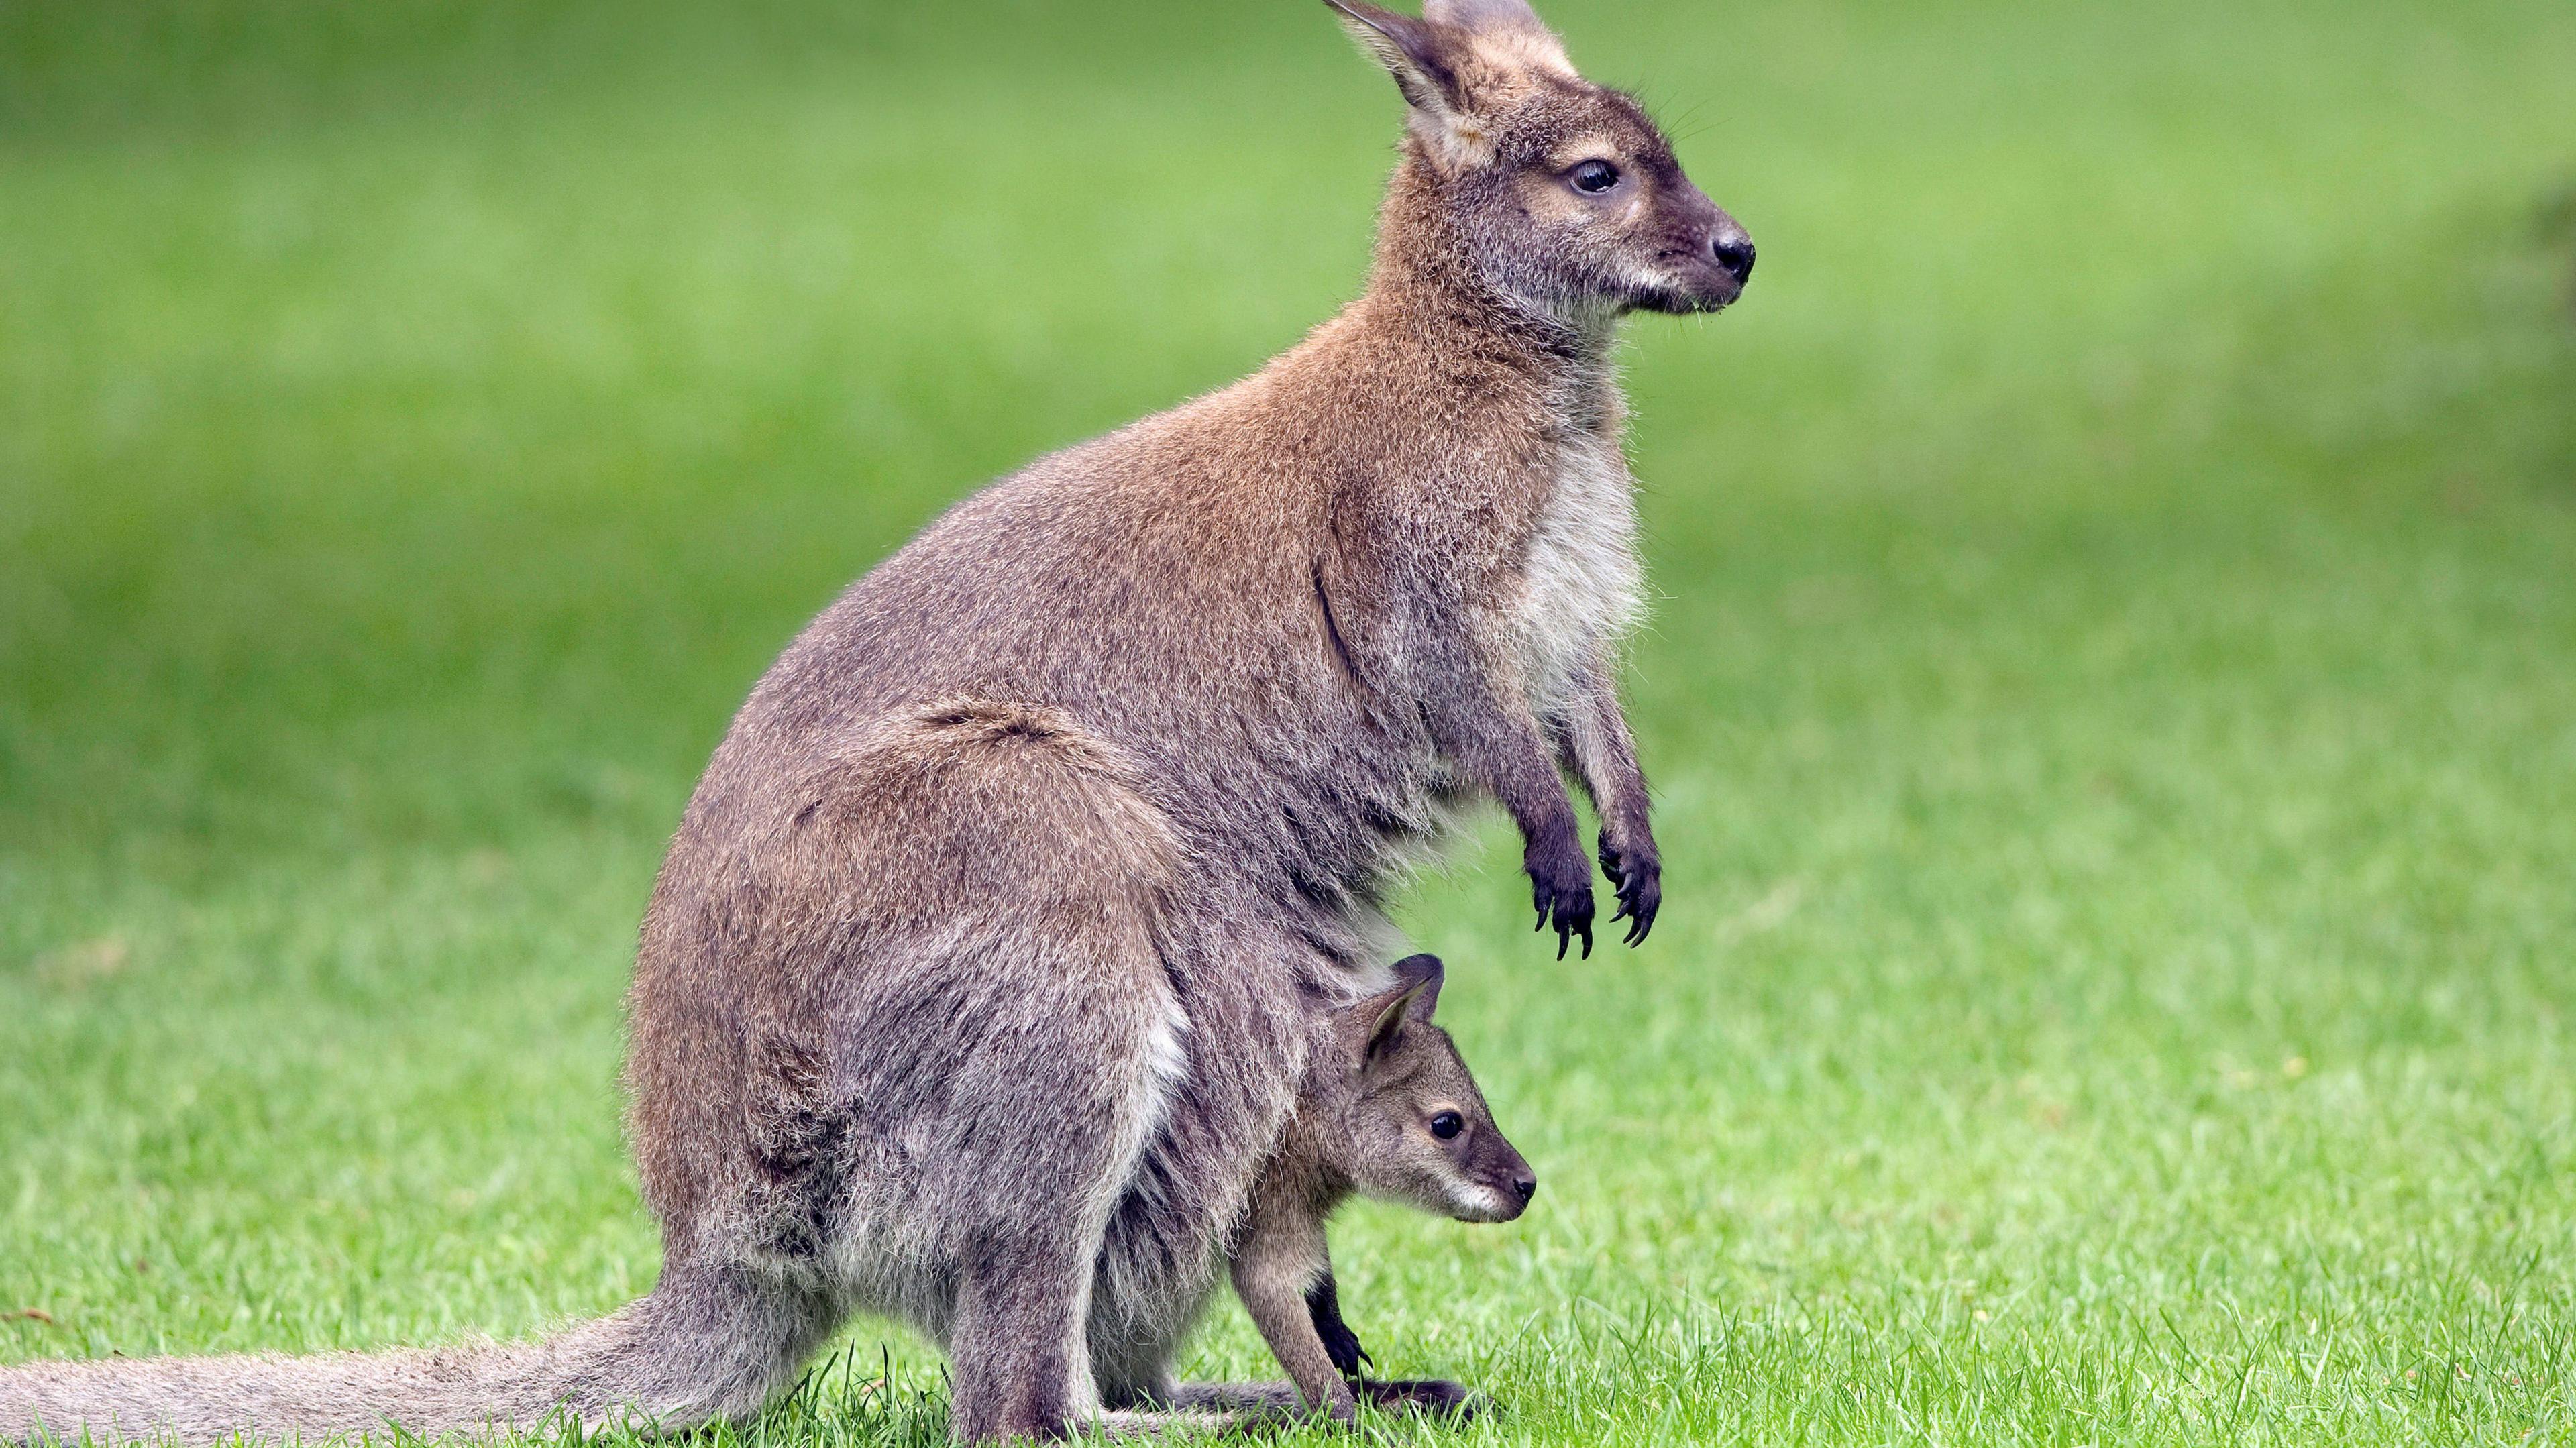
(975, 986)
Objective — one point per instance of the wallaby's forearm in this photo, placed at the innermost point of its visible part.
(1498, 744)
(1596, 745)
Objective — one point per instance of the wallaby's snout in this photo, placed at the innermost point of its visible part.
(1509, 1181)
(1734, 251)
(1707, 255)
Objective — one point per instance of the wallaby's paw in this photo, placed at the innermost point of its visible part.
(1637, 873)
(1343, 1347)
(1436, 1397)
(1561, 888)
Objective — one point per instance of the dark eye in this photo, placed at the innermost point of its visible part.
(1593, 177)
(1447, 1125)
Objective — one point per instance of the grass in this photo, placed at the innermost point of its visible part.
(2114, 698)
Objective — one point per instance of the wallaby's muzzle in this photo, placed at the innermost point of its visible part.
(1709, 257)
(1507, 1180)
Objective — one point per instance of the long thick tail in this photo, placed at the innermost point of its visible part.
(701, 1346)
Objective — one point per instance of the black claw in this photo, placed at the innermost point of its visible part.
(1564, 936)
(1644, 922)
(1587, 940)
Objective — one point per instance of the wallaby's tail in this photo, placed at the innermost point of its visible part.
(702, 1346)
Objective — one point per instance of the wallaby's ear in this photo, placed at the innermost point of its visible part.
(1416, 993)
(1506, 35)
(1482, 14)
(1408, 48)
(1421, 975)
(1422, 56)
(1387, 1030)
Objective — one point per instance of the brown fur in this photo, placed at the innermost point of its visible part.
(976, 984)
(1382, 1076)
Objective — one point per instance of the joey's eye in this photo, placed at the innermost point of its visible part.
(1447, 1125)
(1593, 177)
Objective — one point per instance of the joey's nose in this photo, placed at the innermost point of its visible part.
(1734, 251)
(1525, 1187)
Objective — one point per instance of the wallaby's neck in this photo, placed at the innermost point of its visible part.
(1425, 284)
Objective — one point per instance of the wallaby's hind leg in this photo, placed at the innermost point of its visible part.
(1055, 1101)
(1017, 1346)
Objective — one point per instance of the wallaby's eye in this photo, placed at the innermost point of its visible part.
(1447, 1124)
(1593, 177)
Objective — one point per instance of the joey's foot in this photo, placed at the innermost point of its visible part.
(1343, 1347)
(1434, 1397)
(1561, 887)
(1637, 873)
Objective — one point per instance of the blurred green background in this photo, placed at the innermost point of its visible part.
(2112, 693)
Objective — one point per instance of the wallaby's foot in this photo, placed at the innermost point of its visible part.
(1435, 1397)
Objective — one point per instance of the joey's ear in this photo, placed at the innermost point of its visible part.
(1386, 1014)
(1395, 1012)
(1423, 56)
(1421, 976)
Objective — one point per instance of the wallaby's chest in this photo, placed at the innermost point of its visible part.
(1581, 585)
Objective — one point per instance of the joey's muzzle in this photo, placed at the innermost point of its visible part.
(1507, 1178)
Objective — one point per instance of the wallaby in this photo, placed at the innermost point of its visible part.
(975, 986)
(1388, 1110)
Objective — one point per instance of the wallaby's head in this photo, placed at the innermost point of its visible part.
(1416, 1129)
(1563, 193)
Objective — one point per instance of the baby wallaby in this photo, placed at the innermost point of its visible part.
(1388, 1110)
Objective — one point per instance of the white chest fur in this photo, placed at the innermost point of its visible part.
(1582, 587)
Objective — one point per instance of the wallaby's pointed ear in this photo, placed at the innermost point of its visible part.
(1482, 14)
(1416, 993)
(1409, 50)
(1421, 975)
(1388, 1029)
(1507, 33)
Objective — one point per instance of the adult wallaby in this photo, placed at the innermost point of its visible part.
(1389, 1110)
(975, 986)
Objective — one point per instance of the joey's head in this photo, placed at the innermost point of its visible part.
(1417, 1130)
(1559, 193)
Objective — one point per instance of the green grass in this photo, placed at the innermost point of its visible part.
(2113, 696)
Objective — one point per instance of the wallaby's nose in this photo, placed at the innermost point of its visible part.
(1734, 251)
(1527, 1187)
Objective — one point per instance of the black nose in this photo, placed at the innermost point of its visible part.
(1734, 251)
(1527, 1187)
